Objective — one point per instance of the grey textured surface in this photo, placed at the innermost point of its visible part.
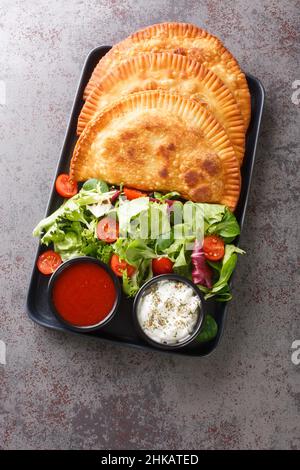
(60, 391)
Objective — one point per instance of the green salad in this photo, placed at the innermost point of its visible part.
(142, 235)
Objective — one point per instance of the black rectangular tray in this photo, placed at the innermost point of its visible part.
(121, 330)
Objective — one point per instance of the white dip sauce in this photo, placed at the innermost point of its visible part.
(168, 311)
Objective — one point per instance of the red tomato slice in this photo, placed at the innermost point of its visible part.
(48, 262)
(213, 247)
(65, 186)
(108, 230)
(162, 266)
(133, 193)
(119, 266)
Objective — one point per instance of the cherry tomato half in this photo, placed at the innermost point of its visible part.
(108, 230)
(213, 247)
(48, 262)
(65, 186)
(119, 266)
(162, 266)
(133, 193)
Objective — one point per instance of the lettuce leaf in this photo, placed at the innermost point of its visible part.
(220, 289)
(143, 273)
(148, 229)
(133, 251)
(98, 210)
(228, 228)
(104, 252)
(128, 210)
(218, 219)
(73, 209)
(55, 233)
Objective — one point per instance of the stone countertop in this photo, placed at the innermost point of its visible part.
(60, 391)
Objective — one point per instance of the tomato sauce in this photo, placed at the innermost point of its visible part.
(84, 294)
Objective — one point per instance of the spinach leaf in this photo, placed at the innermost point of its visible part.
(228, 228)
(220, 288)
(209, 330)
(93, 183)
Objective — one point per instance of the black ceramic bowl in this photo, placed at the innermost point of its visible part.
(201, 315)
(66, 265)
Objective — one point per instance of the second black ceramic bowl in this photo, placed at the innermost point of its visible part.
(201, 315)
(66, 265)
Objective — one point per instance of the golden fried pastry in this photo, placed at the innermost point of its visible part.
(174, 73)
(184, 39)
(155, 140)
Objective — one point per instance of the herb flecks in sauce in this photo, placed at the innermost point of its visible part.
(168, 311)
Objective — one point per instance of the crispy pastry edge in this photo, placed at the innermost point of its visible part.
(179, 63)
(176, 30)
(208, 124)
